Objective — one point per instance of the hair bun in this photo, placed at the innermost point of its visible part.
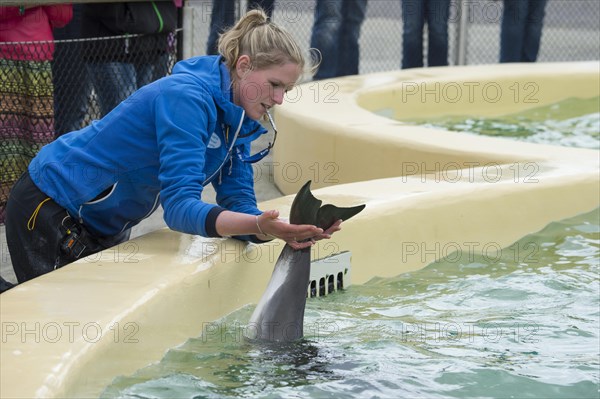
(255, 17)
(265, 42)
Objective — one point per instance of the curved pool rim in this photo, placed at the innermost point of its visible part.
(70, 332)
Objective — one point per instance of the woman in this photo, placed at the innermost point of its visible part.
(84, 191)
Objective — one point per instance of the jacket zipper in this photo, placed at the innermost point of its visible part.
(229, 151)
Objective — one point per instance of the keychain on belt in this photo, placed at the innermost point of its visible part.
(72, 245)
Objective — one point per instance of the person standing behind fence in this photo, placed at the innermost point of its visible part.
(521, 32)
(415, 13)
(336, 33)
(71, 81)
(136, 49)
(223, 16)
(26, 109)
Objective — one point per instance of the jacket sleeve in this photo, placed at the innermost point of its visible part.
(59, 14)
(184, 115)
(235, 190)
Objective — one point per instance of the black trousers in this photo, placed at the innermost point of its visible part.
(42, 236)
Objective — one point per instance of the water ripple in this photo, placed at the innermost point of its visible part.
(519, 327)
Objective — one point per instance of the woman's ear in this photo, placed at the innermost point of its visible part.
(243, 66)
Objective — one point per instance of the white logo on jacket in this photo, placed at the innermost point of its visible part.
(215, 141)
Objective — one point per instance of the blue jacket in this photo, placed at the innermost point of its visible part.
(163, 143)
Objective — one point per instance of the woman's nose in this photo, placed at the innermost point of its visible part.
(278, 96)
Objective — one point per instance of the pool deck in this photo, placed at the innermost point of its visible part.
(429, 193)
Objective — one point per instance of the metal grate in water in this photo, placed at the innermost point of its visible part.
(329, 274)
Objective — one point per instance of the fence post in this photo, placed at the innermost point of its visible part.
(188, 30)
(461, 37)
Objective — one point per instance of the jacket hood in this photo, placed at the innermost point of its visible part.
(212, 74)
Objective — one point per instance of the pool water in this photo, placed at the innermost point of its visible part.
(522, 322)
(573, 122)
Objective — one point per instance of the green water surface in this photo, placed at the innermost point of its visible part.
(522, 322)
(574, 122)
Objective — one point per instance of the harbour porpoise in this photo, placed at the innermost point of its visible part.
(279, 315)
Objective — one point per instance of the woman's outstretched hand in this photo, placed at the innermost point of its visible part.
(268, 226)
(298, 236)
(337, 226)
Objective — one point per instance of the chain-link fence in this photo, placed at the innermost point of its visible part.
(44, 96)
(571, 30)
(54, 87)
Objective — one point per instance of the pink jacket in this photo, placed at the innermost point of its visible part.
(33, 25)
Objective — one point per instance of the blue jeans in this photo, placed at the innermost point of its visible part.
(115, 81)
(414, 15)
(335, 34)
(521, 32)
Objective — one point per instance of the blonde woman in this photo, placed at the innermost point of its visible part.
(163, 144)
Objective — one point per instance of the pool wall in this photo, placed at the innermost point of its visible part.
(70, 332)
(330, 131)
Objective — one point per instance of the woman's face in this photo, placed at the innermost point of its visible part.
(258, 90)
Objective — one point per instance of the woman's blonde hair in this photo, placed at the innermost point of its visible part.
(265, 42)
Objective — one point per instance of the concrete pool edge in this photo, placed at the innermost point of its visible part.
(67, 334)
(331, 134)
